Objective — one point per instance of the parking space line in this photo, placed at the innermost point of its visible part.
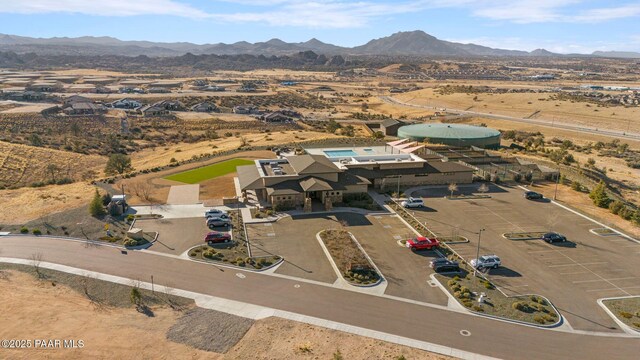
(616, 288)
(574, 273)
(579, 264)
(596, 280)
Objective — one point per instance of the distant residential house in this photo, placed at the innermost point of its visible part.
(390, 127)
(276, 117)
(205, 107)
(288, 83)
(213, 88)
(200, 82)
(131, 90)
(126, 103)
(84, 108)
(76, 99)
(25, 96)
(246, 109)
(103, 90)
(171, 105)
(153, 110)
(158, 90)
(45, 87)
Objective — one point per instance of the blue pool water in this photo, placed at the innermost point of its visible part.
(340, 153)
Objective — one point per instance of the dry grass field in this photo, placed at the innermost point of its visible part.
(26, 204)
(34, 309)
(528, 104)
(22, 165)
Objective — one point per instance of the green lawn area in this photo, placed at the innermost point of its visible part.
(198, 175)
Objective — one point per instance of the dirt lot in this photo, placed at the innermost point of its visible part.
(35, 309)
(573, 275)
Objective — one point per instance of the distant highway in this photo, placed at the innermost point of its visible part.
(540, 122)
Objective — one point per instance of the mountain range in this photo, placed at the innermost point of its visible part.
(413, 43)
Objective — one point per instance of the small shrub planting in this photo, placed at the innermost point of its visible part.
(24, 230)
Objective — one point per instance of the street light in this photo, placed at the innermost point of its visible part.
(475, 268)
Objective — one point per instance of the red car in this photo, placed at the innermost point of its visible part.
(217, 237)
(422, 243)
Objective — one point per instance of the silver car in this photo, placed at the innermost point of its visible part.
(217, 222)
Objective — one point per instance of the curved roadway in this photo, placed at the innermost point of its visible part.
(546, 123)
(488, 337)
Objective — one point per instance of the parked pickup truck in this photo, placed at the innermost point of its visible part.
(422, 243)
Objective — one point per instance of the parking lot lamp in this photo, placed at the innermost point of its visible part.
(555, 193)
(475, 268)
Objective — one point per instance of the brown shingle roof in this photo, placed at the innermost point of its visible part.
(312, 164)
(249, 177)
(315, 184)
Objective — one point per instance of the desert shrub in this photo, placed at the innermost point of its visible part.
(522, 306)
(467, 303)
(456, 278)
(616, 206)
(576, 186)
(36, 232)
(452, 282)
(626, 315)
(24, 230)
(130, 242)
(130, 218)
(539, 319)
(478, 308)
(517, 177)
(488, 285)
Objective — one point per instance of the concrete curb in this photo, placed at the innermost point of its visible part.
(229, 265)
(626, 328)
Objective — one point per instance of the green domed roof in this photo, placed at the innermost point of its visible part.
(447, 131)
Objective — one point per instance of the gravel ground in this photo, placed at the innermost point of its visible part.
(209, 330)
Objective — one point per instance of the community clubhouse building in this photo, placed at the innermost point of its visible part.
(325, 174)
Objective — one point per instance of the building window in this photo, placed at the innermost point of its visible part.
(288, 197)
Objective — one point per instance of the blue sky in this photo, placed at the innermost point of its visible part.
(557, 25)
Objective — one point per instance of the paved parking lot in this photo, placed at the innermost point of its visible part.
(294, 238)
(572, 275)
(176, 235)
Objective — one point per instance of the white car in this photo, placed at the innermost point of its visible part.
(412, 203)
(215, 213)
(486, 262)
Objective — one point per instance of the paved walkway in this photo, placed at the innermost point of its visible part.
(184, 194)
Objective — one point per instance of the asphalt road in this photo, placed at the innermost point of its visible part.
(488, 337)
(540, 122)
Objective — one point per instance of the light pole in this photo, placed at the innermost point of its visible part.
(555, 193)
(475, 268)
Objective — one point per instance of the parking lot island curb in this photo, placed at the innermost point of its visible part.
(500, 318)
(231, 266)
(381, 282)
(626, 328)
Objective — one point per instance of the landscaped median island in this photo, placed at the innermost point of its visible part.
(235, 252)
(467, 289)
(353, 264)
(626, 310)
(603, 232)
(533, 235)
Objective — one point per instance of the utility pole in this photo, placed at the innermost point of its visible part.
(475, 268)
(398, 187)
(123, 199)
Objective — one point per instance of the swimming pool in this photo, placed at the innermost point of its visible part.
(340, 153)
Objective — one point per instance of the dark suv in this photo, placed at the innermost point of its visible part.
(532, 195)
(444, 265)
(553, 237)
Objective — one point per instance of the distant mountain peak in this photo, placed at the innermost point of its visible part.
(415, 43)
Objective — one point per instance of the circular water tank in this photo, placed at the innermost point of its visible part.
(452, 134)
